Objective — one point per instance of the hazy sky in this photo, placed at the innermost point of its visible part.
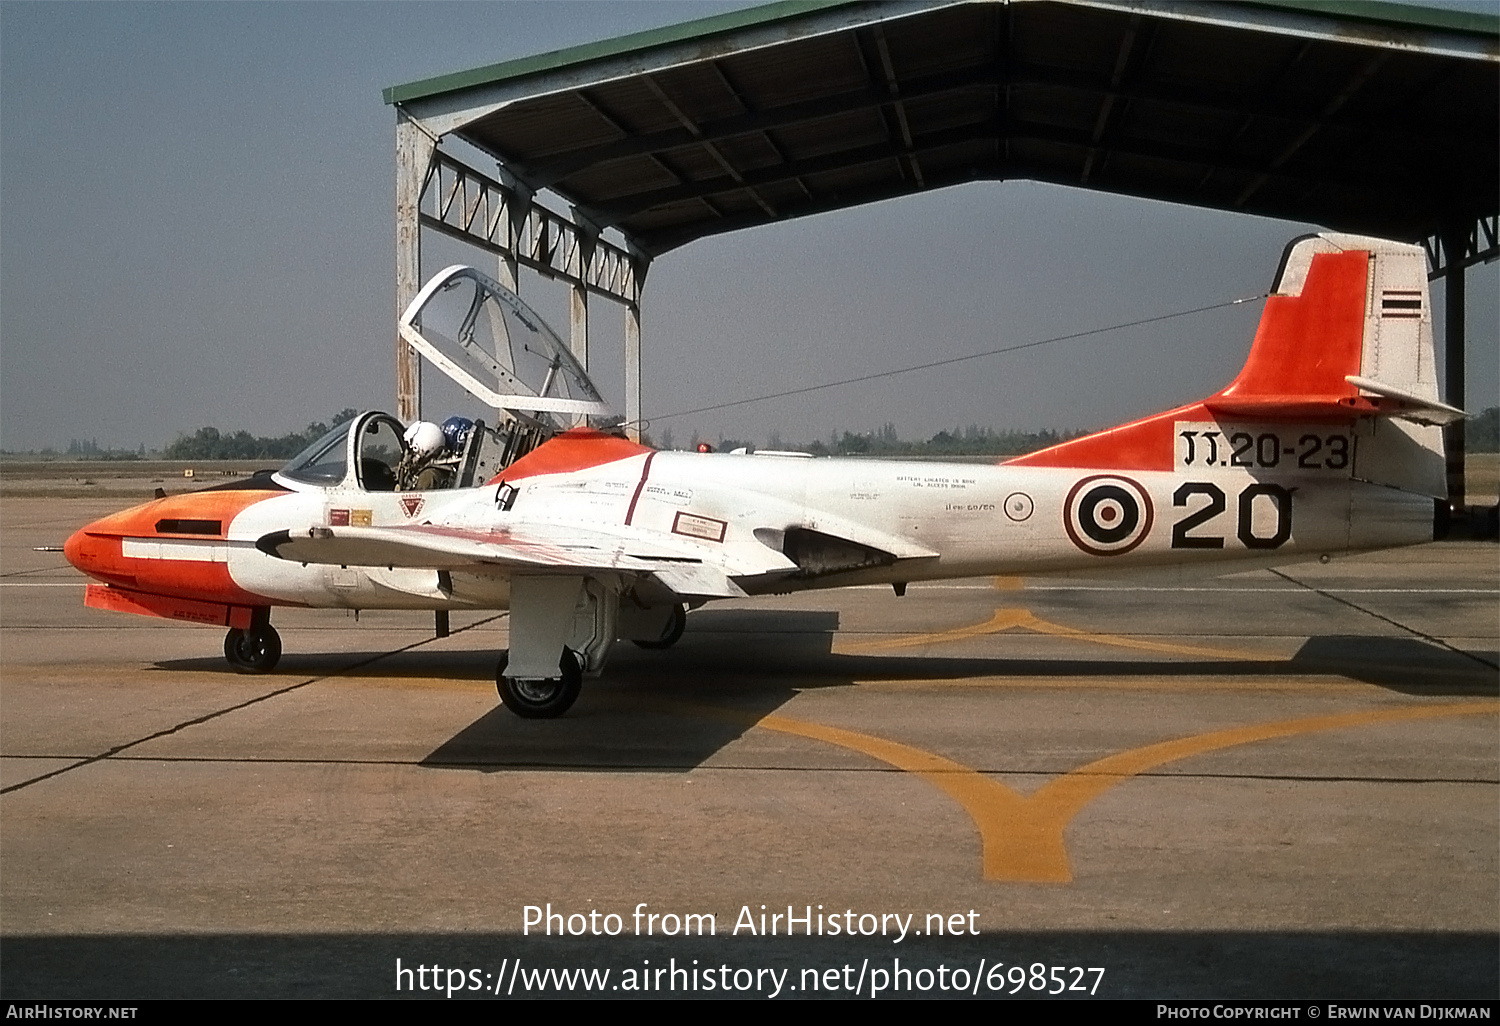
(196, 227)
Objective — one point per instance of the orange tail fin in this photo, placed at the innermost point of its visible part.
(1346, 335)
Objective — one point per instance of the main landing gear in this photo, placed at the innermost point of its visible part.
(544, 698)
(255, 649)
(673, 630)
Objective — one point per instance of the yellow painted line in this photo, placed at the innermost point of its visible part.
(1022, 837)
(1053, 805)
(1009, 583)
(1120, 641)
(992, 806)
(1005, 619)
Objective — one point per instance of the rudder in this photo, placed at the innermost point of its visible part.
(1346, 337)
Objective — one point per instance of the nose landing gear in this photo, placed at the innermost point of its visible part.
(255, 649)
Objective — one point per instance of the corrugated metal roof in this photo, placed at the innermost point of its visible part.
(1367, 117)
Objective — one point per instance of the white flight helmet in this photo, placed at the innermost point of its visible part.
(425, 439)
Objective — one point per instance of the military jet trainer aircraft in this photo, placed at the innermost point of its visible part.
(1327, 442)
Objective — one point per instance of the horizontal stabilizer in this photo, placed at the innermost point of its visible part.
(1402, 403)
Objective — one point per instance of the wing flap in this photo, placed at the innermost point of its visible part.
(694, 580)
(446, 548)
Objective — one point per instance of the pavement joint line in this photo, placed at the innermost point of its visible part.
(1394, 623)
(206, 717)
(1021, 837)
(667, 767)
(42, 570)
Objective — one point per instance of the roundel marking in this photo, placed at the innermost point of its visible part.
(1018, 506)
(1107, 515)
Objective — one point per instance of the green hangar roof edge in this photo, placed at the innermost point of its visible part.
(1392, 13)
(1376, 11)
(700, 28)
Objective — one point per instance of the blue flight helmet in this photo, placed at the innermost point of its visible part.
(456, 432)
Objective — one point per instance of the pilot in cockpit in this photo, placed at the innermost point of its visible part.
(432, 452)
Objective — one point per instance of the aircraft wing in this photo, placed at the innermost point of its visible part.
(535, 548)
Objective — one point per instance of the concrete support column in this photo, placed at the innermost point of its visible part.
(633, 371)
(508, 272)
(414, 149)
(1454, 243)
(578, 341)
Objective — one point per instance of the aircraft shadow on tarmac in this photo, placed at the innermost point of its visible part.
(669, 710)
(674, 710)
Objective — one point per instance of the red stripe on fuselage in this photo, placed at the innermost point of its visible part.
(640, 487)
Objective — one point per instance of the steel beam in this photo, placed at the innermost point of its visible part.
(1479, 244)
(1453, 368)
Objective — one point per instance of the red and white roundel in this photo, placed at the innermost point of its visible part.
(1107, 515)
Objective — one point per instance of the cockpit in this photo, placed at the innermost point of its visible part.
(374, 452)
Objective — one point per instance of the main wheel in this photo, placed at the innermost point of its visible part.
(542, 699)
(256, 650)
(674, 630)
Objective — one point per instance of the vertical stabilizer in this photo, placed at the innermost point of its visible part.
(1345, 338)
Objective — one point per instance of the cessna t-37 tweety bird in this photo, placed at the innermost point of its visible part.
(1327, 442)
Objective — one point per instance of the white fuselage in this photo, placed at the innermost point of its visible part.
(935, 520)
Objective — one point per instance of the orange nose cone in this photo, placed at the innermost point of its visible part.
(73, 549)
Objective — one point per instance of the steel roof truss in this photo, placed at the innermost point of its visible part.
(1481, 246)
(465, 204)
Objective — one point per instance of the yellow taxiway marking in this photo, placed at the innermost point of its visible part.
(1005, 619)
(1022, 837)
(1009, 583)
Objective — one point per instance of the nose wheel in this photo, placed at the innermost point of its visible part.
(253, 650)
(540, 698)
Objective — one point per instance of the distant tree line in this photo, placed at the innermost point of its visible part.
(89, 448)
(961, 441)
(209, 443)
(1482, 434)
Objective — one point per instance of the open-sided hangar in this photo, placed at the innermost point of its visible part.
(1375, 118)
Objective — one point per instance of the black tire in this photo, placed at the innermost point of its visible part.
(256, 650)
(541, 699)
(672, 633)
